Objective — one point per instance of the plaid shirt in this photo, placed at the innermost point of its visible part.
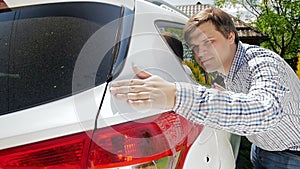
(262, 100)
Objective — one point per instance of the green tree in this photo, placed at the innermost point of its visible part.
(298, 66)
(277, 18)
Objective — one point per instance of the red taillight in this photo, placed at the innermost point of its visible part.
(3, 6)
(143, 141)
(161, 141)
(67, 152)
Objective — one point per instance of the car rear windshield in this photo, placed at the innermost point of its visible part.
(52, 51)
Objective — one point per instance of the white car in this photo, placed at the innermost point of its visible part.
(57, 59)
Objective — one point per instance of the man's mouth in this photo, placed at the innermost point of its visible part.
(207, 59)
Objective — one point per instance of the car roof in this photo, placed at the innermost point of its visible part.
(20, 3)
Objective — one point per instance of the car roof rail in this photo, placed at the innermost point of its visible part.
(167, 6)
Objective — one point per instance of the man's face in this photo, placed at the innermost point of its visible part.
(212, 50)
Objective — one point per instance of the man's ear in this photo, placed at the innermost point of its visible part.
(231, 37)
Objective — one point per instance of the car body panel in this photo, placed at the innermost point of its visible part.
(145, 42)
(212, 149)
(63, 117)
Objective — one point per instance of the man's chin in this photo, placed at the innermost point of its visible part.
(206, 69)
(209, 70)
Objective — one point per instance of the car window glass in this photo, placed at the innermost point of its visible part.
(41, 46)
(173, 35)
(6, 23)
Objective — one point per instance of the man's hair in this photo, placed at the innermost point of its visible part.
(220, 19)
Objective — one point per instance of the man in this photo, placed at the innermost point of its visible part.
(261, 100)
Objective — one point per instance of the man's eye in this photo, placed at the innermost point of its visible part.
(208, 42)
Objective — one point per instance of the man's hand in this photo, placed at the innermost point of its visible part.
(217, 86)
(150, 91)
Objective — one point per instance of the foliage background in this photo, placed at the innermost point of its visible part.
(279, 19)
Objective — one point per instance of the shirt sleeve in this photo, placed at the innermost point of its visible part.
(243, 114)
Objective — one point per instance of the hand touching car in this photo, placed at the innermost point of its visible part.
(149, 91)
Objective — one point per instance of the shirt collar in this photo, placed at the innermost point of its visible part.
(237, 62)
